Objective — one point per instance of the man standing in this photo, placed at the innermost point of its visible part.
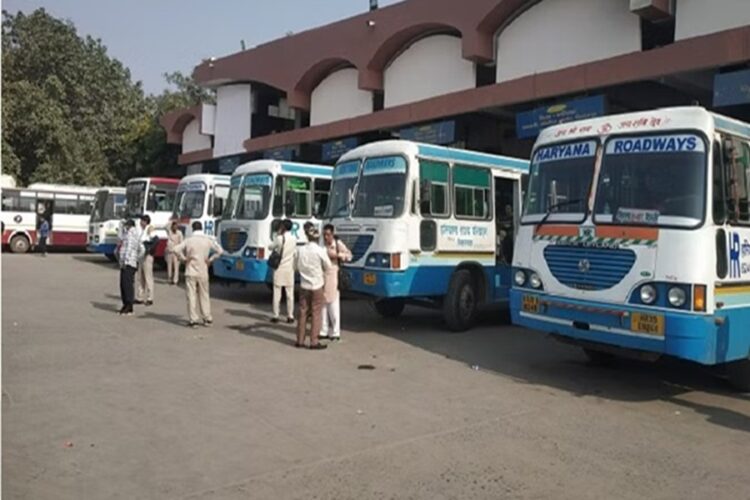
(195, 251)
(149, 240)
(283, 276)
(312, 264)
(43, 235)
(129, 249)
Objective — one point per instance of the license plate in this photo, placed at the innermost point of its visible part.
(530, 303)
(239, 265)
(650, 324)
(370, 279)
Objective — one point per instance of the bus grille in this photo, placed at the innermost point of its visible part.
(233, 240)
(358, 244)
(588, 268)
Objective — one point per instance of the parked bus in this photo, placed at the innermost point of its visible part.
(635, 238)
(152, 196)
(427, 224)
(201, 197)
(104, 224)
(67, 208)
(262, 194)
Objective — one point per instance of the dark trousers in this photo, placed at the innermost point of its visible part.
(42, 244)
(127, 288)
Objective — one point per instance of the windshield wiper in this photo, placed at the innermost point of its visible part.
(557, 205)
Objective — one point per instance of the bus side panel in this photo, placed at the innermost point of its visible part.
(415, 281)
(733, 341)
(69, 238)
(239, 268)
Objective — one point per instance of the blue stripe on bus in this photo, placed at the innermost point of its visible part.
(726, 125)
(473, 157)
(299, 168)
(254, 270)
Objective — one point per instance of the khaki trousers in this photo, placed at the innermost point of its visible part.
(173, 268)
(198, 301)
(145, 291)
(310, 300)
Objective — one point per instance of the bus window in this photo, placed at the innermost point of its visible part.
(278, 197)
(221, 193)
(320, 198)
(471, 191)
(297, 197)
(433, 188)
(11, 201)
(65, 205)
(742, 176)
(85, 205)
(720, 206)
(505, 190)
(160, 200)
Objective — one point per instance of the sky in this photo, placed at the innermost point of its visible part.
(153, 37)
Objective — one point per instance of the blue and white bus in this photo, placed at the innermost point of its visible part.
(104, 223)
(200, 198)
(635, 238)
(262, 194)
(428, 225)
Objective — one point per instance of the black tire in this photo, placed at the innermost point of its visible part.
(111, 257)
(389, 308)
(460, 303)
(19, 244)
(599, 358)
(738, 373)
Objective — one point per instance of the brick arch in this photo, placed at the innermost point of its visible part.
(299, 95)
(176, 121)
(482, 40)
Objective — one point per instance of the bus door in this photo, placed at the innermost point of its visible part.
(45, 206)
(505, 230)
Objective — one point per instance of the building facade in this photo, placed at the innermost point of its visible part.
(482, 74)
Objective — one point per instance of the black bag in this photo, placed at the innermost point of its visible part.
(151, 245)
(344, 280)
(274, 260)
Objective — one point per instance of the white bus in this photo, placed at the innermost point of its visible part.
(201, 197)
(635, 238)
(104, 224)
(67, 208)
(152, 196)
(427, 224)
(262, 194)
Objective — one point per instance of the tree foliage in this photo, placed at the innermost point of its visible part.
(72, 114)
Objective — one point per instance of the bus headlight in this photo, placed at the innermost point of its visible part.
(520, 278)
(648, 294)
(535, 281)
(677, 296)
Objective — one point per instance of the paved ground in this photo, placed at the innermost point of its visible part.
(97, 406)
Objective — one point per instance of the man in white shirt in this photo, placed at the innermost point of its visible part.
(195, 251)
(145, 278)
(312, 263)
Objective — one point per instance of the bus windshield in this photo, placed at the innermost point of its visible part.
(344, 182)
(381, 190)
(190, 203)
(560, 181)
(135, 194)
(652, 180)
(253, 197)
(108, 206)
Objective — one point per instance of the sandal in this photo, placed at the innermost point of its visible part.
(298, 345)
(318, 347)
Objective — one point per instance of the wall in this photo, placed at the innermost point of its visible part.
(701, 17)
(430, 67)
(192, 140)
(555, 34)
(337, 97)
(233, 118)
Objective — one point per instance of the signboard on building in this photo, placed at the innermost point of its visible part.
(228, 164)
(334, 149)
(731, 89)
(432, 133)
(530, 123)
(286, 153)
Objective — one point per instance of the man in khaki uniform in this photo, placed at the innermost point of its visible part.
(145, 273)
(195, 251)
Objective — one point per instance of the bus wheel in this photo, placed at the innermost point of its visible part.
(738, 373)
(111, 257)
(389, 308)
(19, 244)
(600, 358)
(460, 303)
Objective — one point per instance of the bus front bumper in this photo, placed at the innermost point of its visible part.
(242, 269)
(686, 335)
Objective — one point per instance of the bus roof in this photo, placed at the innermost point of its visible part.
(161, 180)
(288, 167)
(432, 151)
(207, 178)
(661, 119)
(60, 188)
(114, 190)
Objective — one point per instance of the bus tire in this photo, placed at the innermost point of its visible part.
(599, 358)
(111, 257)
(19, 244)
(389, 308)
(460, 303)
(738, 373)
